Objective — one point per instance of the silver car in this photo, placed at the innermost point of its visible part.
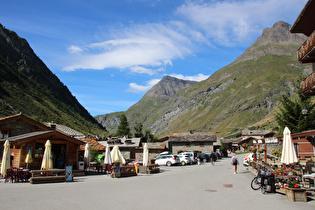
(184, 159)
(167, 160)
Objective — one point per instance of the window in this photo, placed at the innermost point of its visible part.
(4, 134)
(187, 144)
(202, 144)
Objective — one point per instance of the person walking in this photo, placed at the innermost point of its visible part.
(234, 162)
(212, 158)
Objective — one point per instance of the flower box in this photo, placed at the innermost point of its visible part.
(296, 194)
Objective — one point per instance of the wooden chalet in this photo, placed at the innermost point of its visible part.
(305, 24)
(304, 143)
(26, 134)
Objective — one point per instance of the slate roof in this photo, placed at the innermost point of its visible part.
(156, 145)
(193, 137)
(65, 129)
(248, 132)
(132, 142)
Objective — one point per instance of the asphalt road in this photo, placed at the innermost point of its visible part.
(177, 187)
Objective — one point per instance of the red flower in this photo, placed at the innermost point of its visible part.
(296, 185)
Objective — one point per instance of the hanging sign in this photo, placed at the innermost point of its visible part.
(271, 141)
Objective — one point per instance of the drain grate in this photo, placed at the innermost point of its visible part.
(228, 185)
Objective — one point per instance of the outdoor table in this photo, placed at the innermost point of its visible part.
(309, 176)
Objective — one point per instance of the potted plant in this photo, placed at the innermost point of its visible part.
(254, 150)
(276, 152)
(294, 192)
(261, 151)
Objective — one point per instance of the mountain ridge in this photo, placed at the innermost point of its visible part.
(28, 86)
(234, 97)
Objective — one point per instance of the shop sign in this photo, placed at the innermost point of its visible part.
(271, 140)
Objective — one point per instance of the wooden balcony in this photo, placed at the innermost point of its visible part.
(308, 85)
(306, 53)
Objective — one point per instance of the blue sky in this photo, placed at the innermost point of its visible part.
(109, 53)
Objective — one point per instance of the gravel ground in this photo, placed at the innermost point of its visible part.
(177, 187)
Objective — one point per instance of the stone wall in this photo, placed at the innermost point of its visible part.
(177, 147)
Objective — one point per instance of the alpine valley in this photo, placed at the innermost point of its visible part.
(246, 93)
(242, 94)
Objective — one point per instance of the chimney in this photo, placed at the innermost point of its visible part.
(52, 125)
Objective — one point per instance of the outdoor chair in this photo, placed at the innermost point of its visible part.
(9, 175)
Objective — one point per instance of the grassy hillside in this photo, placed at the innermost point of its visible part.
(28, 86)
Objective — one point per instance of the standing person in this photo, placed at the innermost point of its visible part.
(234, 162)
(212, 158)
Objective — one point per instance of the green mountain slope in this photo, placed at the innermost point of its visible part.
(236, 96)
(28, 86)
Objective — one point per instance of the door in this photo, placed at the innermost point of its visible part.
(59, 155)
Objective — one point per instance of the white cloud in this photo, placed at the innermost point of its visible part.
(142, 48)
(198, 77)
(152, 47)
(133, 87)
(232, 22)
(74, 49)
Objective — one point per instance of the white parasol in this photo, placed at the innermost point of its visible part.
(288, 151)
(108, 158)
(116, 155)
(145, 155)
(87, 156)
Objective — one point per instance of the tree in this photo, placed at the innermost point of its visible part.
(291, 113)
(148, 136)
(123, 128)
(138, 130)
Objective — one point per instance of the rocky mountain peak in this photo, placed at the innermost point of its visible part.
(274, 38)
(169, 86)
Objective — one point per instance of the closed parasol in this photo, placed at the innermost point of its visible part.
(145, 155)
(288, 151)
(5, 164)
(47, 162)
(116, 155)
(108, 158)
(28, 158)
(87, 156)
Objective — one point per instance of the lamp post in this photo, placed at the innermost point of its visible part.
(304, 112)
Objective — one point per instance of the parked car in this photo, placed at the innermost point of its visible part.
(192, 155)
(167, 160)
(204, 157)
(219, 155)
(184, 159)
(212, 154)
(248, 158)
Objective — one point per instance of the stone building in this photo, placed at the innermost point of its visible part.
(155, 148)
(192, 141)
(127, 146)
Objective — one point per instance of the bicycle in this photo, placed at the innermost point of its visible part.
(261, 181)
(256, 183)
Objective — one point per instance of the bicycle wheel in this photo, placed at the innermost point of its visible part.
(255, 184)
